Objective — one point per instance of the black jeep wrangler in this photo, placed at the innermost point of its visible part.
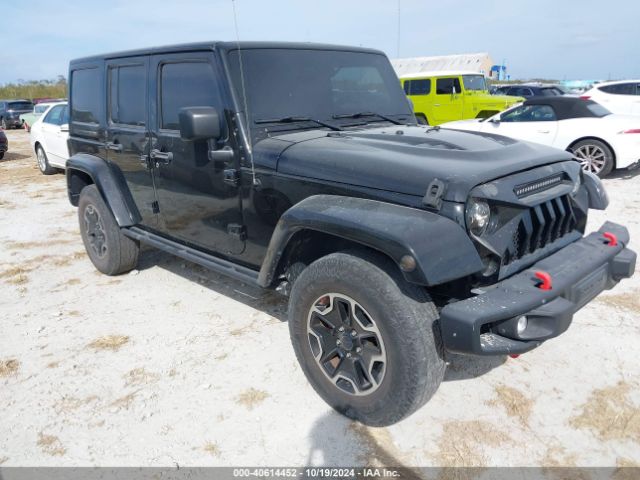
(302, 168)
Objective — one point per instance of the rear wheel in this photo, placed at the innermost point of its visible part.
(594, 156)
(43, 162)
(110, 251)
(371, 350)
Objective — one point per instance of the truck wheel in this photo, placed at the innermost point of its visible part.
(43, 162)
(422, 119)
(594, 156)
(110, 251)
(366, 339)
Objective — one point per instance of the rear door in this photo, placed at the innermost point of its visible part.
(127, 130)
(620, 97)
(447, 105)
(197, 204)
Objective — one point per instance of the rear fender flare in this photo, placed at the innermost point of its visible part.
(441, 248)
(110, 182)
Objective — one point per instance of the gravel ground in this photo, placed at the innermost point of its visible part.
(172, 364)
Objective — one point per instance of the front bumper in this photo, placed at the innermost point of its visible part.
(13, 122)
(483, 325)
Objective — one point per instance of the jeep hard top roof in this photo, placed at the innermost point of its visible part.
(439, 73)
(219, 45)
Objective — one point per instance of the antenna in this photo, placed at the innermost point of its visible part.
(244, 96)
(398, 37)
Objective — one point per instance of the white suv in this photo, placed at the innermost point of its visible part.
(619, 97)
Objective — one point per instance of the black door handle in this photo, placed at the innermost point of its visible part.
(159, 157)
(116, 147)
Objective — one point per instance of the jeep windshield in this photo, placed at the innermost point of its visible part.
(474, 82)
(340, 88)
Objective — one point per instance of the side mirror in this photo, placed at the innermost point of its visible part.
(199, 123)
(64, 128)
(495, 120)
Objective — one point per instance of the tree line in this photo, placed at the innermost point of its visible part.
(30, 89)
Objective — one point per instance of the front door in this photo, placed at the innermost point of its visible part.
(197, 205)
(127, 130)
(54, 126)
(532, 123)
(447, 105)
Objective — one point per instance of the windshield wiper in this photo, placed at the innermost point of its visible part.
(293, 119)
(368, 114)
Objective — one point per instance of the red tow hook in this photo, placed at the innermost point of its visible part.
(612, 240)
(514, 355)
(545, 280)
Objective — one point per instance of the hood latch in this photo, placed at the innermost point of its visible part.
(435, 192)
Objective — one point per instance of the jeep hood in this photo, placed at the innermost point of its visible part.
(403, 159)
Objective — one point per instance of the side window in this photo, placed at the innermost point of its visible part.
(530, 113)
(522, 92)
(445, 86)
(55, 115)
(191, 84)
(418, 87)
(127, 95)
(620, 89)
(85, 95)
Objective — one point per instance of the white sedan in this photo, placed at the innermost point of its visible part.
(49, 136)
(622, 96)
(600, 140)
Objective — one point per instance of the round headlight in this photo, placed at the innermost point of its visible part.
(478, 216)
(521, 324)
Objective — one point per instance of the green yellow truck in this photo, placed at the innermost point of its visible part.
(440, 97)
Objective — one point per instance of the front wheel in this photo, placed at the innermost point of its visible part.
(370, 348)
(110, 251)
(594, 156)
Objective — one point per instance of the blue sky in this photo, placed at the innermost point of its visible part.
(564, 39)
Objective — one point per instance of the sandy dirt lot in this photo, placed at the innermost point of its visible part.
(172, 364)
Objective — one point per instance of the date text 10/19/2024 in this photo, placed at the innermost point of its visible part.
(317, 472)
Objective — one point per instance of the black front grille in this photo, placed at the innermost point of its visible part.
(540, 226)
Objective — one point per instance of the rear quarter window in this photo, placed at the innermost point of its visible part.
(86, 95)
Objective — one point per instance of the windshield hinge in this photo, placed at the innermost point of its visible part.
(237, 231)
(231, 177)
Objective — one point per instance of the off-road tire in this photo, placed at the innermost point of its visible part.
(43, 162)
(422, 119)
(120, 253)
(593, 145)
(405, 317)
(1, 155)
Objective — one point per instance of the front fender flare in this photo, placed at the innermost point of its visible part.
(110, 182)
(441, 248)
